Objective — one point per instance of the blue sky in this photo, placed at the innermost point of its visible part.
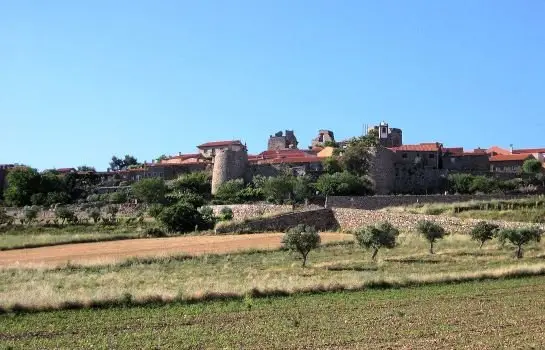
(81, 81)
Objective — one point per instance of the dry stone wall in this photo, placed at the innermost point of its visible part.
(351, 219)
(247, 211)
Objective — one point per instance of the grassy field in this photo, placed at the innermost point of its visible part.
(505, 314)
(19, 236)
(333, 266)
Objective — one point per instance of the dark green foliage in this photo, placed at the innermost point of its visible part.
(86, 168)
(519, 237)
(120, 164)
(94, 214)
(192, 198)
(181, 217)
(230, 191)
(332, 165)
(155, 232)
(226, 214)
(302, 239)
(64, 214)
(431, 231)
(278, 189)
(343, 184)
(196, 182)
(469, 184)
(154, 210)
(208, 216)
(118, 197)
(22, 182)
(356, 158)
(483, 232)
(150, 190)
(483, 184)
(58, 198)
(532, 166)
(375, 237)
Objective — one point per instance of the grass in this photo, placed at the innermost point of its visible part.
(19, 236)
(503, 314)
(340, 266)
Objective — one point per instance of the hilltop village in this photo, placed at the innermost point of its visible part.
(395, 168)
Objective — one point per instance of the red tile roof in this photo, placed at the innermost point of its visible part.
(423, 147)
(510, 157)
(291, 160)
(220, 144)
(529, 150)
(453, 150)
(497, 150)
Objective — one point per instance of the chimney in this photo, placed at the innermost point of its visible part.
(179, 153)
(511, 148)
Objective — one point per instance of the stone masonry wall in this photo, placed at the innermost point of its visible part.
(246, 211)
(321, 219)
(351, 219)
(379, 202)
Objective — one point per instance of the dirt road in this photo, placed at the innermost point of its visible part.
(108, 252)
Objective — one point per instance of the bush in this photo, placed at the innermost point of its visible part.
(38, 199)
(155, 232)
(118, 197)
(181, 217)
(94, 214)
(376, 237)
(112, 210)
(483, 232)
(30, 214)
(302, 239)
(431, 231)
(519, 237)
(229, 191)
(58, 198)
(151, 190)
(197, 182)
(64, 214)
(191, 198)
(226, 214)
(208, 216)
(343, 184)
(155, 210)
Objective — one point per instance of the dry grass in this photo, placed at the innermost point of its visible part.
(335, 267)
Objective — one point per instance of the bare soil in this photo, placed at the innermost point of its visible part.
(110, 252)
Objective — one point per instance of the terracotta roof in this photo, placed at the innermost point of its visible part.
(453, 150)
(497, 150)
(529, 150)
(291, 160)
(423, 147)
(285, 153)
(220, 144)
(65, 170)
(510, 157)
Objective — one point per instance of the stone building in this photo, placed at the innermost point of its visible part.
(508, 163)
(324, 136)
(209, 149)
(280, 141)
(424, 155)
(388, 137)
(229, 164)
(457, 160)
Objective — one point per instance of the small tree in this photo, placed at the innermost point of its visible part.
(532, 166)
(519, 237)
(181, 217)
(207, 214)
(226, 214)
(64, 214)
(431, 231)
(155, 210)
(303, 239)
(94, 214)
(483, 232)
(150, 190)
(376, 237)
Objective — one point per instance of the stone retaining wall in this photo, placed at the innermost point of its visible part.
(379, 202)
(247, 211)
(321, 219)
(351, 219)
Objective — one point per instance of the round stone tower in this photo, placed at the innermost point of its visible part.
(229, 165)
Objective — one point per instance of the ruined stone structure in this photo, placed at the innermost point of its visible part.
(388, 137)
(282, 141)
(229, 165)
(323, 137)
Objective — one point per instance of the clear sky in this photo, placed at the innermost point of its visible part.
(81, 81)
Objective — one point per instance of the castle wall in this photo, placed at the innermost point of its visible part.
(382, 170)
(229, 165)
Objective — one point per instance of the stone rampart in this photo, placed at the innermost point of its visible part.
(379, 202)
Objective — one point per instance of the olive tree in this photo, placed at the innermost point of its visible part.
(375, 237)
(302, 239)
(519, 237)
(431, 231)
(483, 232)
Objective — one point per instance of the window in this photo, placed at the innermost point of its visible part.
(384, 130)
(404, 155)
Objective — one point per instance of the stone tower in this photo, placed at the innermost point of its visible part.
(229, 165)
(388, 137)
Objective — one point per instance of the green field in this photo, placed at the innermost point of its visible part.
(333, 266)
(505, 314)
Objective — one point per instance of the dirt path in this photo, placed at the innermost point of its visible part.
(108, 252)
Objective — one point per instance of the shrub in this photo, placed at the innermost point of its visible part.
(191, 198)
(343, 184)
(208, 217)
(181, 217)
(196, 182)
(226, 214)
(112, 210)
(94, 214)
(30, 214)
(155, 232)
(155, 210)
(38, 199)
(302, 239)
(229, 191)
(431, 231)
(483, 232)
(375, 237)
(151, 190)
(118, 197)
(64, 214)
(58, 198)
(519, 237)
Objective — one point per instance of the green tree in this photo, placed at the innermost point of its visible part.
(64, 214)
(343, 184)
(519, 237)
(154, 210)
(94, 214)
(192, 198)
(86, 168)
(229, 191)
(207, 214)
(483, 184)
(117, 164)
(532, 166)
(181, 217)
(197, 182)
(382, 235)
(302, 239)
(226, 214)
(161, 157)
(431, 231)
(22, 182)
(151, 190)
(278, 189)
(483, 232)
(331, 165)
(356, 157)
(460, 183)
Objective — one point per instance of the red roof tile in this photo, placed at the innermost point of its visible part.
(220, 144)
(510, 157)
(453, 150)
(497, 150)
(291, 160)
(529, 150)
(423, 147)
